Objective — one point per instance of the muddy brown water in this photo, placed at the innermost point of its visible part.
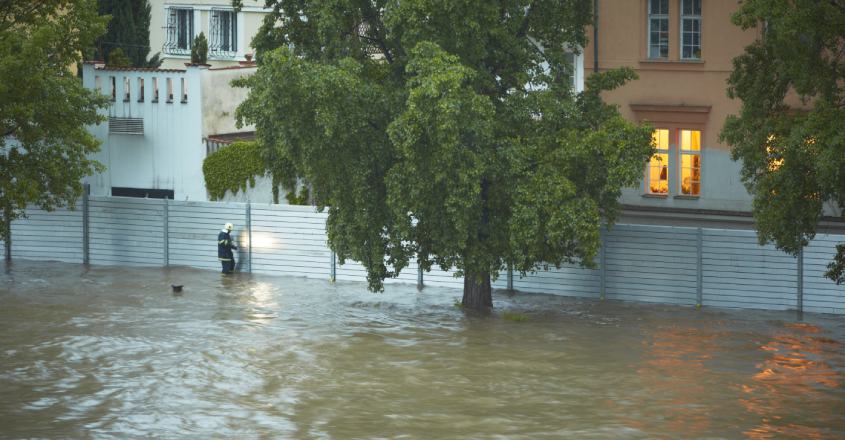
(113, 353)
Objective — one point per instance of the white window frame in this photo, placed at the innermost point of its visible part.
(668, 152)
(683, 17)
(664, 17)
(235, 38)
(689, 152)
(172, 48)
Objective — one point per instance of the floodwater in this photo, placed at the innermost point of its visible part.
(113, 353)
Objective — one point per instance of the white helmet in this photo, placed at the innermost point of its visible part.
(229, 227)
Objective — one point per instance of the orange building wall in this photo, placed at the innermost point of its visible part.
(676, 84)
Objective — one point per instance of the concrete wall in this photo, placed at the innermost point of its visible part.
(220, 99)
(720, 267)
(249, 20)
(169, 154)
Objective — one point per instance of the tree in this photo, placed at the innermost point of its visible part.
(444, 131)
(118, 59)
(199, 50)
(793, 156)
(44, 109)
(128, 30)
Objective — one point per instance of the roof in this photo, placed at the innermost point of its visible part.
(228, 138)
(140, 69)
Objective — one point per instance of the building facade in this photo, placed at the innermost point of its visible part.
(682, 51)
(159, 125)
(174, 24)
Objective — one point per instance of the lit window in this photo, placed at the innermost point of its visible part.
(658, 167)
(180, 31)
(658, 28)
(690, 162)
(223, 31)
(690, 29)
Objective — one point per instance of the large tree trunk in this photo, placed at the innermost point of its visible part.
(477, 296)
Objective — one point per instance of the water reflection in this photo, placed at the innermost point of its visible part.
(672, 374)
(110, 352)
(264, 303)
(794, 372)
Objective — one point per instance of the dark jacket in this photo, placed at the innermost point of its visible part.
(225, 246)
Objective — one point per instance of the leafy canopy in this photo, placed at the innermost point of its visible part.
(44, 108)
(232, 168)
(789, 133)
(444, 131)
(128, 30)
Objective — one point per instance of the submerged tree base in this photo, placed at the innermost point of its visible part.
(477, 295)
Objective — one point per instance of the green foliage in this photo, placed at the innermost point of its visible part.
(836, 268)
(128, 30)
(298, 199)
(508, 315)
(434, 131)
(232, 168)
(118, 59)
(44, 109)
(199, 50)
(793, 160)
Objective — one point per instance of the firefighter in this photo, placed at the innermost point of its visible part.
(224, 248)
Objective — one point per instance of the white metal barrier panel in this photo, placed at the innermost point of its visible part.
(673, 265)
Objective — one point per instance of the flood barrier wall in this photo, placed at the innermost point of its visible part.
(659, 264)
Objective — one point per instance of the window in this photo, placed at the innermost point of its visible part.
(155, 89)
(113, 83)
(126, 86)
(180, 31)
(184, 91)
(681, 166)
(140, 89)
(571, 66)
(690, 162)
(169, 89)
(690, 29)
(223, 31)
(658, 166)
(658, 28)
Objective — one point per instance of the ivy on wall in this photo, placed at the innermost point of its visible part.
(231, 168)
(236, 165)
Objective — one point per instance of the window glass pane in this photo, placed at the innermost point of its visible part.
(659, 7)
(690, 174)
(658, 174)
(660, 139)
(691, 140)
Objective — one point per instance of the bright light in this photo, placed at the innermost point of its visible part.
(261, 240)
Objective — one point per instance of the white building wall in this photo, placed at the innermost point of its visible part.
(169, 154)
(248, 22)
